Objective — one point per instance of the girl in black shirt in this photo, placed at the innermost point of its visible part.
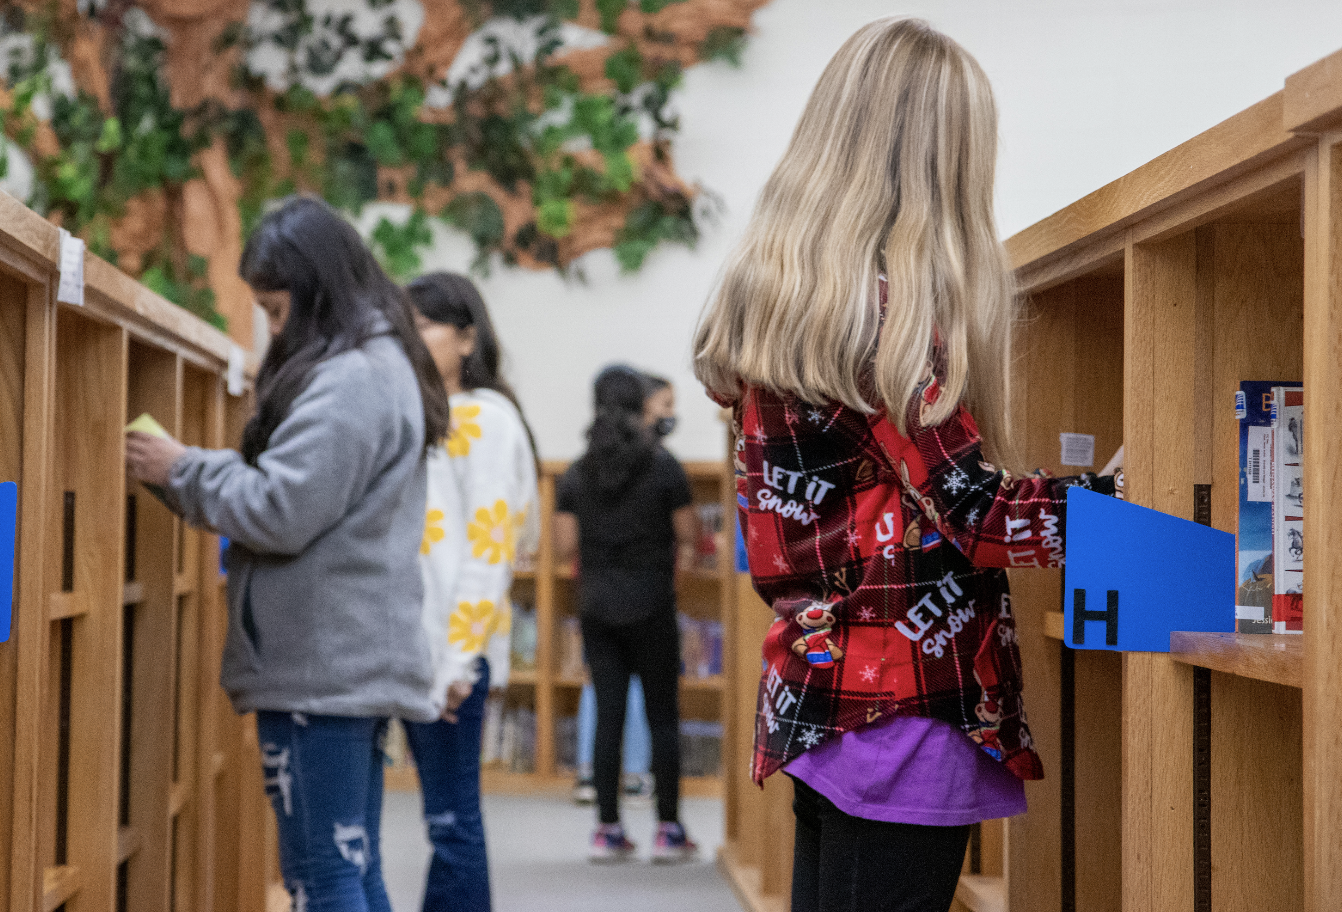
(624, 507)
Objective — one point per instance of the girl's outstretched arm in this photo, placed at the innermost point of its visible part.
(994, 518)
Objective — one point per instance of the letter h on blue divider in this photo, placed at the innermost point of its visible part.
(1167, 573)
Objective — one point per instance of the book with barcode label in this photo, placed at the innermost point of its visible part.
(1288, 509)
(1254, 572)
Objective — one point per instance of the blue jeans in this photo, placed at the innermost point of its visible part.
(637, 736)
(323, 776)
(447, 756)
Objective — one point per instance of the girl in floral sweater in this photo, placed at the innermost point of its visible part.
(481, 513)
(862, 336)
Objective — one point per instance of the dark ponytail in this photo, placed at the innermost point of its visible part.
(337, 292)
(619, 446)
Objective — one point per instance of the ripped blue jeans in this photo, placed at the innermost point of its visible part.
(323, 776)
(447, 756)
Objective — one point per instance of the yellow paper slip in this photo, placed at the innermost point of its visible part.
(146, 424)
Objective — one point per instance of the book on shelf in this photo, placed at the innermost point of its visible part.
(1254, 571)
(522, 637)
(508, 736)
(700, 747)
(710, 535)
(570, 649)
(700, 646)
(1288, 509)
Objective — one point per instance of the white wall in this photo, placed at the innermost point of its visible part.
(1088, 91)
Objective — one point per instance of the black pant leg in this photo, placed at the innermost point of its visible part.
(872, 866)
(604, 649)
(805, 849)
(654, 650)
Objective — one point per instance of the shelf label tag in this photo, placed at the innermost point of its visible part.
(71, 288)
(1078, 450)
(236, 377)
(9, 533)
(1134, 575)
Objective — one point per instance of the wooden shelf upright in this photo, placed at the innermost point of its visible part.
(551, 690)
(1211, 777)
(126, 782)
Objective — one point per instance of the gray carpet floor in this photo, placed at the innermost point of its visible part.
(537, 858)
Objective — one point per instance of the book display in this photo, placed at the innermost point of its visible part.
(530, 730)
(1209, 777)
(1288, 506)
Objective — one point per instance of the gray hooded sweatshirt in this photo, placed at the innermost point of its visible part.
(325, 598)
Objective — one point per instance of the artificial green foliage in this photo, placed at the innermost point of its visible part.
(105, 159)
(725, 44)
(398, 246)
(533, 131)
(649, 225)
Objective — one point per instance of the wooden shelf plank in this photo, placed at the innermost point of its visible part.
(128, 841)
(1053, 625)
(132, 594)
(522, 677)
(712, 682)
(66, 605)
(1278, 659)
(178, 798)
(59, 885)
(982, 894)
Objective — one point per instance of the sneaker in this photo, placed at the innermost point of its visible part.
(672, 845)
(609, 845)
(584, 792)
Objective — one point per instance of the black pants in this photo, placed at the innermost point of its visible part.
(650, 649)
(842, 863)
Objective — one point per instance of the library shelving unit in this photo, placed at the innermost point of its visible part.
(126, 782)
(550, 688)
(1209, 777)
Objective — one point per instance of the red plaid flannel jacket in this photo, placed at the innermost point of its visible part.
(904, 541)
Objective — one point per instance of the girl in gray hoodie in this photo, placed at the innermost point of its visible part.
(324, 510)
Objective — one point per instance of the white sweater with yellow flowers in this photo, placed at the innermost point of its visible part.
(482, 512)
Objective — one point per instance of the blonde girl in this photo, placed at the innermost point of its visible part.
(862, 336)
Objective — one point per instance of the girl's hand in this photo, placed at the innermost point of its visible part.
(150, 459)
(457, 692)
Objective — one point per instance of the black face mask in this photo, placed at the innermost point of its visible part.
(664, 426)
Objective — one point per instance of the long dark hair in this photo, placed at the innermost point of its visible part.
(453, 299)
(618, 443)
(337, 293)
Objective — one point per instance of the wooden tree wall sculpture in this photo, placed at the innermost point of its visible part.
(172, 138)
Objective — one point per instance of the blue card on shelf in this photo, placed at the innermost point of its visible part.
(1135, 575)
(9, 529)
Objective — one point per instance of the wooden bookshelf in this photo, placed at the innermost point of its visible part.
(1209, 777)
(126, 781)
(703, 593)
(1206, 778)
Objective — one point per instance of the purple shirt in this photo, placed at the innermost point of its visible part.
(908, 769)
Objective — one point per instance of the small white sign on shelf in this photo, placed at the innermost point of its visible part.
(71, 288)
(1078, 450)
(236, 376)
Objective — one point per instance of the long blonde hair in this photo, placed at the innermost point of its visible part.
(890, 170)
